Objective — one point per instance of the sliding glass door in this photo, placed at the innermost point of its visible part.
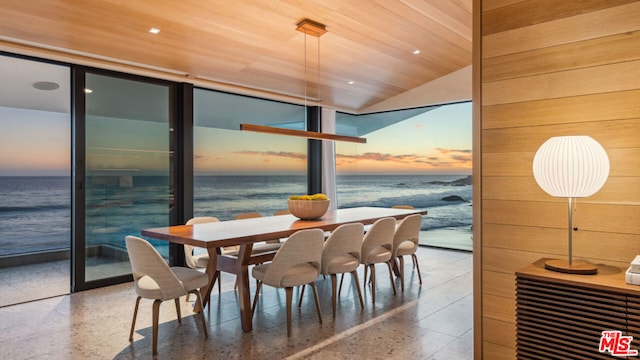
(35, 196)
(124, 182)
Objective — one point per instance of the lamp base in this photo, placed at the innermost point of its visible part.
(576, 267)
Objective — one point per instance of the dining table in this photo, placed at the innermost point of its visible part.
(246, 232)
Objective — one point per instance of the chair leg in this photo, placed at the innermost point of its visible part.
(393, 285)
(315, 296)
(415, 260)
(372, 278)
(219, 279)
(401, 271)
(301, 294)
(340, 287)
(366, 268)
(198, 295)
(135, 315)
(177, 301)
(289, 292)
(355, 279)
(334, 283)
(255, 298)
(154, 331)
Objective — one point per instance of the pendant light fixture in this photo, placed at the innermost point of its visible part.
(315, 29)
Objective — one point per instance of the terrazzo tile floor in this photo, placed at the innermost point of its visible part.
(432, 321)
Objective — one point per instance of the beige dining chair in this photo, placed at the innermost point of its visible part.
(258, 248)
(197, 260)
(282, 212)
(297, 263)
(154, 279)
(407, 207)
(341, 254)
(376, 248)
(405, 243)
(201, 260)
(248, 215)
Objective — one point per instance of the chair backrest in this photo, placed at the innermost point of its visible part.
(408, 207)
(304, 246)
(345, 240)
(146, 261)
(379, 234)
(407, 230)
(282, 212)
(188, 249)
(202, 220)
(249, 215)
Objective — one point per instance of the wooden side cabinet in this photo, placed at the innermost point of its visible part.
(563, 316)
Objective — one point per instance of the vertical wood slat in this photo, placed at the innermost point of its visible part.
(546, 70)
(563, 316)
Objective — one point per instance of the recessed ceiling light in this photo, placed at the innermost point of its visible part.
(154, 30)
(416, 52)
(351, 82)
(45, 85)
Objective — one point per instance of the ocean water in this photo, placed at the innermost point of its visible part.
(35, 211)
(248, 194)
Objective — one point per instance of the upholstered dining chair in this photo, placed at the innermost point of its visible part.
(282, 212)
(376, 248)
(154, 279)
(258, 248)
(200, 260)
(248, 215)
(407, 207)
(297, 263)
(405, 243)
(341, 254)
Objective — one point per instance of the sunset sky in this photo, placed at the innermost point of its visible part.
(437, 142)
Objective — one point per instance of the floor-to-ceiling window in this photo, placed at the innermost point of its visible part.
(127, 183)
(419, 157)
(35, 190)
(237, 171)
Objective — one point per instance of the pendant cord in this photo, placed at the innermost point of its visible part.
(318, 79)
(305, 81)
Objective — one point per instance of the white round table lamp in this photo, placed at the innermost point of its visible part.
(571, 167)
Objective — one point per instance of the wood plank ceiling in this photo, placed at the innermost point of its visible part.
(254, 43)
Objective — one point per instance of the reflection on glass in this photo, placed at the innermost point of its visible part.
(35, 190)
(127, 169)
(237, 172)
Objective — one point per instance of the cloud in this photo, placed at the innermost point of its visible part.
(278, 154)
(448, 151)
(407, 158)
(444, 159)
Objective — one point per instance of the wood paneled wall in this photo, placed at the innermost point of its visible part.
(547, 68)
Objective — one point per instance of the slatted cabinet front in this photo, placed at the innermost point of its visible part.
(561, 316)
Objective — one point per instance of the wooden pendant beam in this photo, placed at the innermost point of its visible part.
(301, 133)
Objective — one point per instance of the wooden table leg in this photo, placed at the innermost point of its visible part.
(212, 273)
(244, 295)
